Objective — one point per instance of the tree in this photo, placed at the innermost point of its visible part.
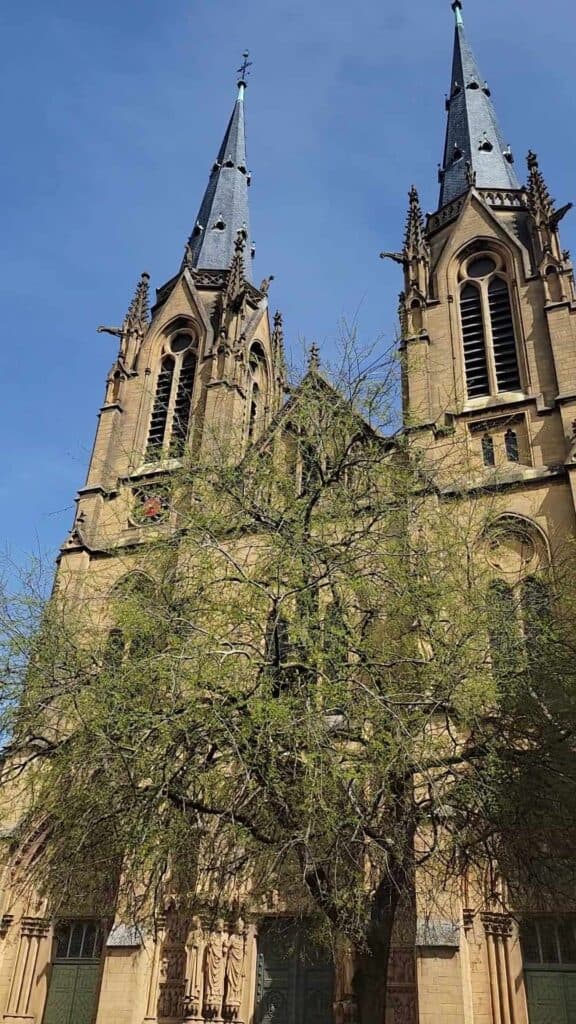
(301, 681)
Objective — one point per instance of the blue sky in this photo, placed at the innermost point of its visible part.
(112, 114)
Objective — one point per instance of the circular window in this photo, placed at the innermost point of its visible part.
(481, 267)
(180, 343)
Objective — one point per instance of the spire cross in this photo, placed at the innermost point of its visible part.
(243, 71)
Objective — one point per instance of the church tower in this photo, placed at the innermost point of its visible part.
(488, 329)
(488, 312)
(201, 372)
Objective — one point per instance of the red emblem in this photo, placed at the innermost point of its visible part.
(152, 508)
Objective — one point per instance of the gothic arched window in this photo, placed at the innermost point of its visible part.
(137, 630)
(257, 391)
(253, 414)
(488, 335)
(536, 612)
(183, 403)
(159, 416)
(488, 450)
(503, 629)
(170, 419)
(511, 444)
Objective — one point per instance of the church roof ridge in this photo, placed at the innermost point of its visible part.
(475, 151)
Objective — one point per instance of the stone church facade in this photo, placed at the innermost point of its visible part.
(488, 316)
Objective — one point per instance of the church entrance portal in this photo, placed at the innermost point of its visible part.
(75, 975)
(549, 949)
(295, 983)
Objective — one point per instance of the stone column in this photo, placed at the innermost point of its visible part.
(498, 929)
(172, 987)
(154, 981)
(33, 931)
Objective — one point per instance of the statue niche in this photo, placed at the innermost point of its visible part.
(235, 971)
(194, 972)
(214, 972)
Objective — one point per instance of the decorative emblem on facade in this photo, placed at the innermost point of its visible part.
(151, 505)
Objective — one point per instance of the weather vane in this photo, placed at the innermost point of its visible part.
(243, 71)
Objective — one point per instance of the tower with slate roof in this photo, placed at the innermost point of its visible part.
(488, 327)
(204, 368)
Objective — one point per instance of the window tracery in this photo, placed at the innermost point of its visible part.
(519, 599)
(257, 391)
(170, 418)
(488, 333)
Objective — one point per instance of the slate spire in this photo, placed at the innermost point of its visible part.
(476, 152)
(224, 210)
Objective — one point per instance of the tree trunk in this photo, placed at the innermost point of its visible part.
(370, 980)
(370, 985)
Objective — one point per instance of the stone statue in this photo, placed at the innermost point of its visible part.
(235, 971)
(215, 964)
(194, 948)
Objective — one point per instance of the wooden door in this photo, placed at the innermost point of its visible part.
(75, 974)
(551, 997)
(72, 994)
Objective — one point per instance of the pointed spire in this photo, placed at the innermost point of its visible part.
(414, 236)
(278, 348)
(541, 203)
(224, 210)
(475, 149)
(138, 315)
(278, 332)
(237, 275)
(314, 358)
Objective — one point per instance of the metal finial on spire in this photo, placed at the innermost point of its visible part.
(457, 8)
(244, 70)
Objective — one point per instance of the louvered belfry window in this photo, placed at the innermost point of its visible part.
(170, 418)
(474, 342)
(159, 417)
(183, 402)
(488, 335)
(503, 340)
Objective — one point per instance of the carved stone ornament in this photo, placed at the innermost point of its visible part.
(511, 552)
(499, 925)
(35, 926)
(214, 971)
(195, 948)
(235, 971)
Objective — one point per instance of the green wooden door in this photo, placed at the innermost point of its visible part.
(570, 997)
(551, 997)
(72, 994)
(75, 976)
(294, 985)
